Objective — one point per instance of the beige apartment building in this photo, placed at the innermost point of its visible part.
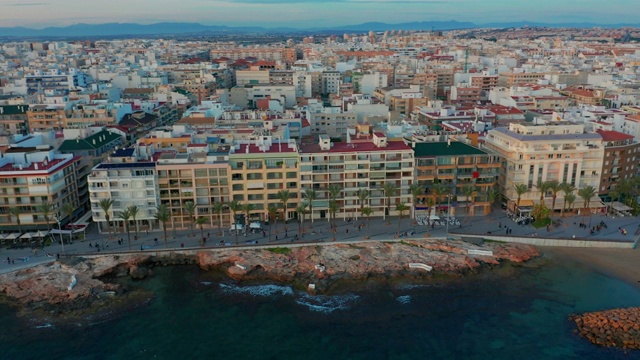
(44, 118)
(532, 153)
(367, 162)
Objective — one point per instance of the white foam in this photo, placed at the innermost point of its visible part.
(404, 299)
(327, 304)
(413, 286)
(44, 326)
(258, 290)
(206, 283)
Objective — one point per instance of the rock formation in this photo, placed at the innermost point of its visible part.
(612, 328)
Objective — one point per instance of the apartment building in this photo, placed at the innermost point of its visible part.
(359, 163)
(333, 124)
(484, 82)
(509, 79)
(42, 118)
(538, 153)
(128, 182)
(259, 170)
(54, 81)
(456, 165)
(620, 162)
(286, 55)
(331, 81)
(13, 119)
(31, 176)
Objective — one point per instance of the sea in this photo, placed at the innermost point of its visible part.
(513, 312)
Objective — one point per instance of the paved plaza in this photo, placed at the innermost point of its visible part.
(347, 231)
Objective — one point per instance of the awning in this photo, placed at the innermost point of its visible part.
(525, 203)
(26, 236)
(12, 236)
(620, 206)
(41, 234)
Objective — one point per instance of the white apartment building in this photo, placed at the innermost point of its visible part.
(331, 81)
(533, 153)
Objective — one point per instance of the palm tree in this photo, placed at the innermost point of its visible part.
(543, 187)
(311, 195)
(284, 196)
(273, 214)
(520, 189)
(163, 215)
(363, 194)
(569, 199)
(367, 211)
(567, 189)
(415, 190)
(16, 212)
(125, 216)
(68, 209)
(247, 209)
(492, 196)
(333, 208)
(235, 206)
(300, 211)
(133, 210)
(401, 208)
(438, 191)
(430, 204)
(468, 191)
(46, 208)
(334, 192)
(587, 193)
(105, 205)
(389, 189)
(200, 221)
(555, 187)
(190, 208)
(218, 207)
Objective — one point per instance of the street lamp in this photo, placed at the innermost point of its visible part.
(448, 215)
(60, 233)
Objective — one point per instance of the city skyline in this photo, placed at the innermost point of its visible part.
(308, 13)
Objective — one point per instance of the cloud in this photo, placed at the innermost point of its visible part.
(29, 4)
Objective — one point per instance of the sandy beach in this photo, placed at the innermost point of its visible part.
(623, 264)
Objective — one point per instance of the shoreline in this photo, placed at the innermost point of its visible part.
(621, 264)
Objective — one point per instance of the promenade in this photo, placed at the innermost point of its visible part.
(347, 231)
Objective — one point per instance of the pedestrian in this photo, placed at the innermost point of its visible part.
(181, 245)
(57, 256)
(347, 231)
(90, 244)
(499, 225)
(140, 247)
(276, 237)
(264, 234)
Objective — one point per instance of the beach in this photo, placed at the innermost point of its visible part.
(623, 264)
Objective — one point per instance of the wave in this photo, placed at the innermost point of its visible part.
(44, 326)
(205, 283)
(258, 290)
(413, 286)
(404, 299)
(327, 304)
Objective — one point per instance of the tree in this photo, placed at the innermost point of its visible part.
(389, 189)
(469, 191)
(235, 206)
(569, 199)
(163, 215)
(415, 190)
(46, 208)
(300, 209)
(200, 221)
(273, 215)
(68, 209)
(367, 211)
(438, 191)
(311, 195)
(587, 193)
(333, 208)
(284, 196)
(125, 216)
(247, 209)
(492, 196)
(543, 187)
(520, 189)
(430, 204)
(190, 208)
(401, 208)
(218, 207)
(105, 205)
(567, 189)
(16, 212)
(363, 194)
(334, 192)
(133, 210)
(555, 187)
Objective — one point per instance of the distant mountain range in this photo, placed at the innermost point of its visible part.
(177, 28)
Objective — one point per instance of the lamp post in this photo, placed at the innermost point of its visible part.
(60, 229)
(448, 214)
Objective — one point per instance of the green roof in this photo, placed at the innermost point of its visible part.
(432, 149)
(101, 138)
(13, 109)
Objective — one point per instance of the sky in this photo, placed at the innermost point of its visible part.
(311, 13)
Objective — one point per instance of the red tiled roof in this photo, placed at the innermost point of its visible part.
(41, 167)
(611, 135)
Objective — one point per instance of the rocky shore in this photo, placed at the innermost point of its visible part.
(81, 284)
(612, 328)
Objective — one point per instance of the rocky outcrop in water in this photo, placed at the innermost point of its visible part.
(612, 328)
(48, 285)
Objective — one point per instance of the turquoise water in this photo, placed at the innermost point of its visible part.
(512, 313)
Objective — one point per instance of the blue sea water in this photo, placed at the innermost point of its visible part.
(512, 313)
